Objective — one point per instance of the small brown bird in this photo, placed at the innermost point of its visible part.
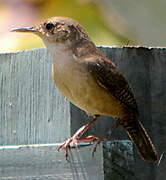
(90, 80)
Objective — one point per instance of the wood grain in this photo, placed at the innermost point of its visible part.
(32, 111)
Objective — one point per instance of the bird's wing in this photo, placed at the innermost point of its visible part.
(108, 77)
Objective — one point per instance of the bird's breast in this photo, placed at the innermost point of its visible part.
(71, 79)
(77, 84)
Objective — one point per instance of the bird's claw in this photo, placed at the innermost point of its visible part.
(66, 145)
(98, 141)
(76, 143)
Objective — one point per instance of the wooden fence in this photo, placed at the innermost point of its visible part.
(34, 117)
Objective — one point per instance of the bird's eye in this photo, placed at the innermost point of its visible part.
(49, 26)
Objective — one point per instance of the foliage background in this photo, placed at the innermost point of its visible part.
(18, 13)
(108, 22)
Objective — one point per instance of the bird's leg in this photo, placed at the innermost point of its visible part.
(115, 125)
(72, 142)
(98, 141)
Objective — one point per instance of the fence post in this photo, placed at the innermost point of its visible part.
(32, 111)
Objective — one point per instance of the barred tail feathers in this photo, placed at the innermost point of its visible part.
(140, 138)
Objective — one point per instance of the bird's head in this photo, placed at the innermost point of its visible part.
(57, 30)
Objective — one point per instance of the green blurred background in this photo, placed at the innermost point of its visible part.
(15, 13)
(108, 22)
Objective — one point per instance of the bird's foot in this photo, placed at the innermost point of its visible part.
(66, 145)
(75, 142)
(75, 139)
(97, 142)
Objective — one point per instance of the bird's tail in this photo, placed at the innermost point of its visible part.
(140, 138)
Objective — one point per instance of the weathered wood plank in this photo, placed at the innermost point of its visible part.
(43, 161)
(39, 161)
(118, 157)
(145, 70)
(32, 110)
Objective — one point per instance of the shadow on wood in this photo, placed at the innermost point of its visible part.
(33, 112)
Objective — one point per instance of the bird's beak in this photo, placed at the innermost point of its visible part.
(24, 29)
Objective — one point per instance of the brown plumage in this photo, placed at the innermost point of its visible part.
(140, 138)
(107, 76)
(90, 80)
